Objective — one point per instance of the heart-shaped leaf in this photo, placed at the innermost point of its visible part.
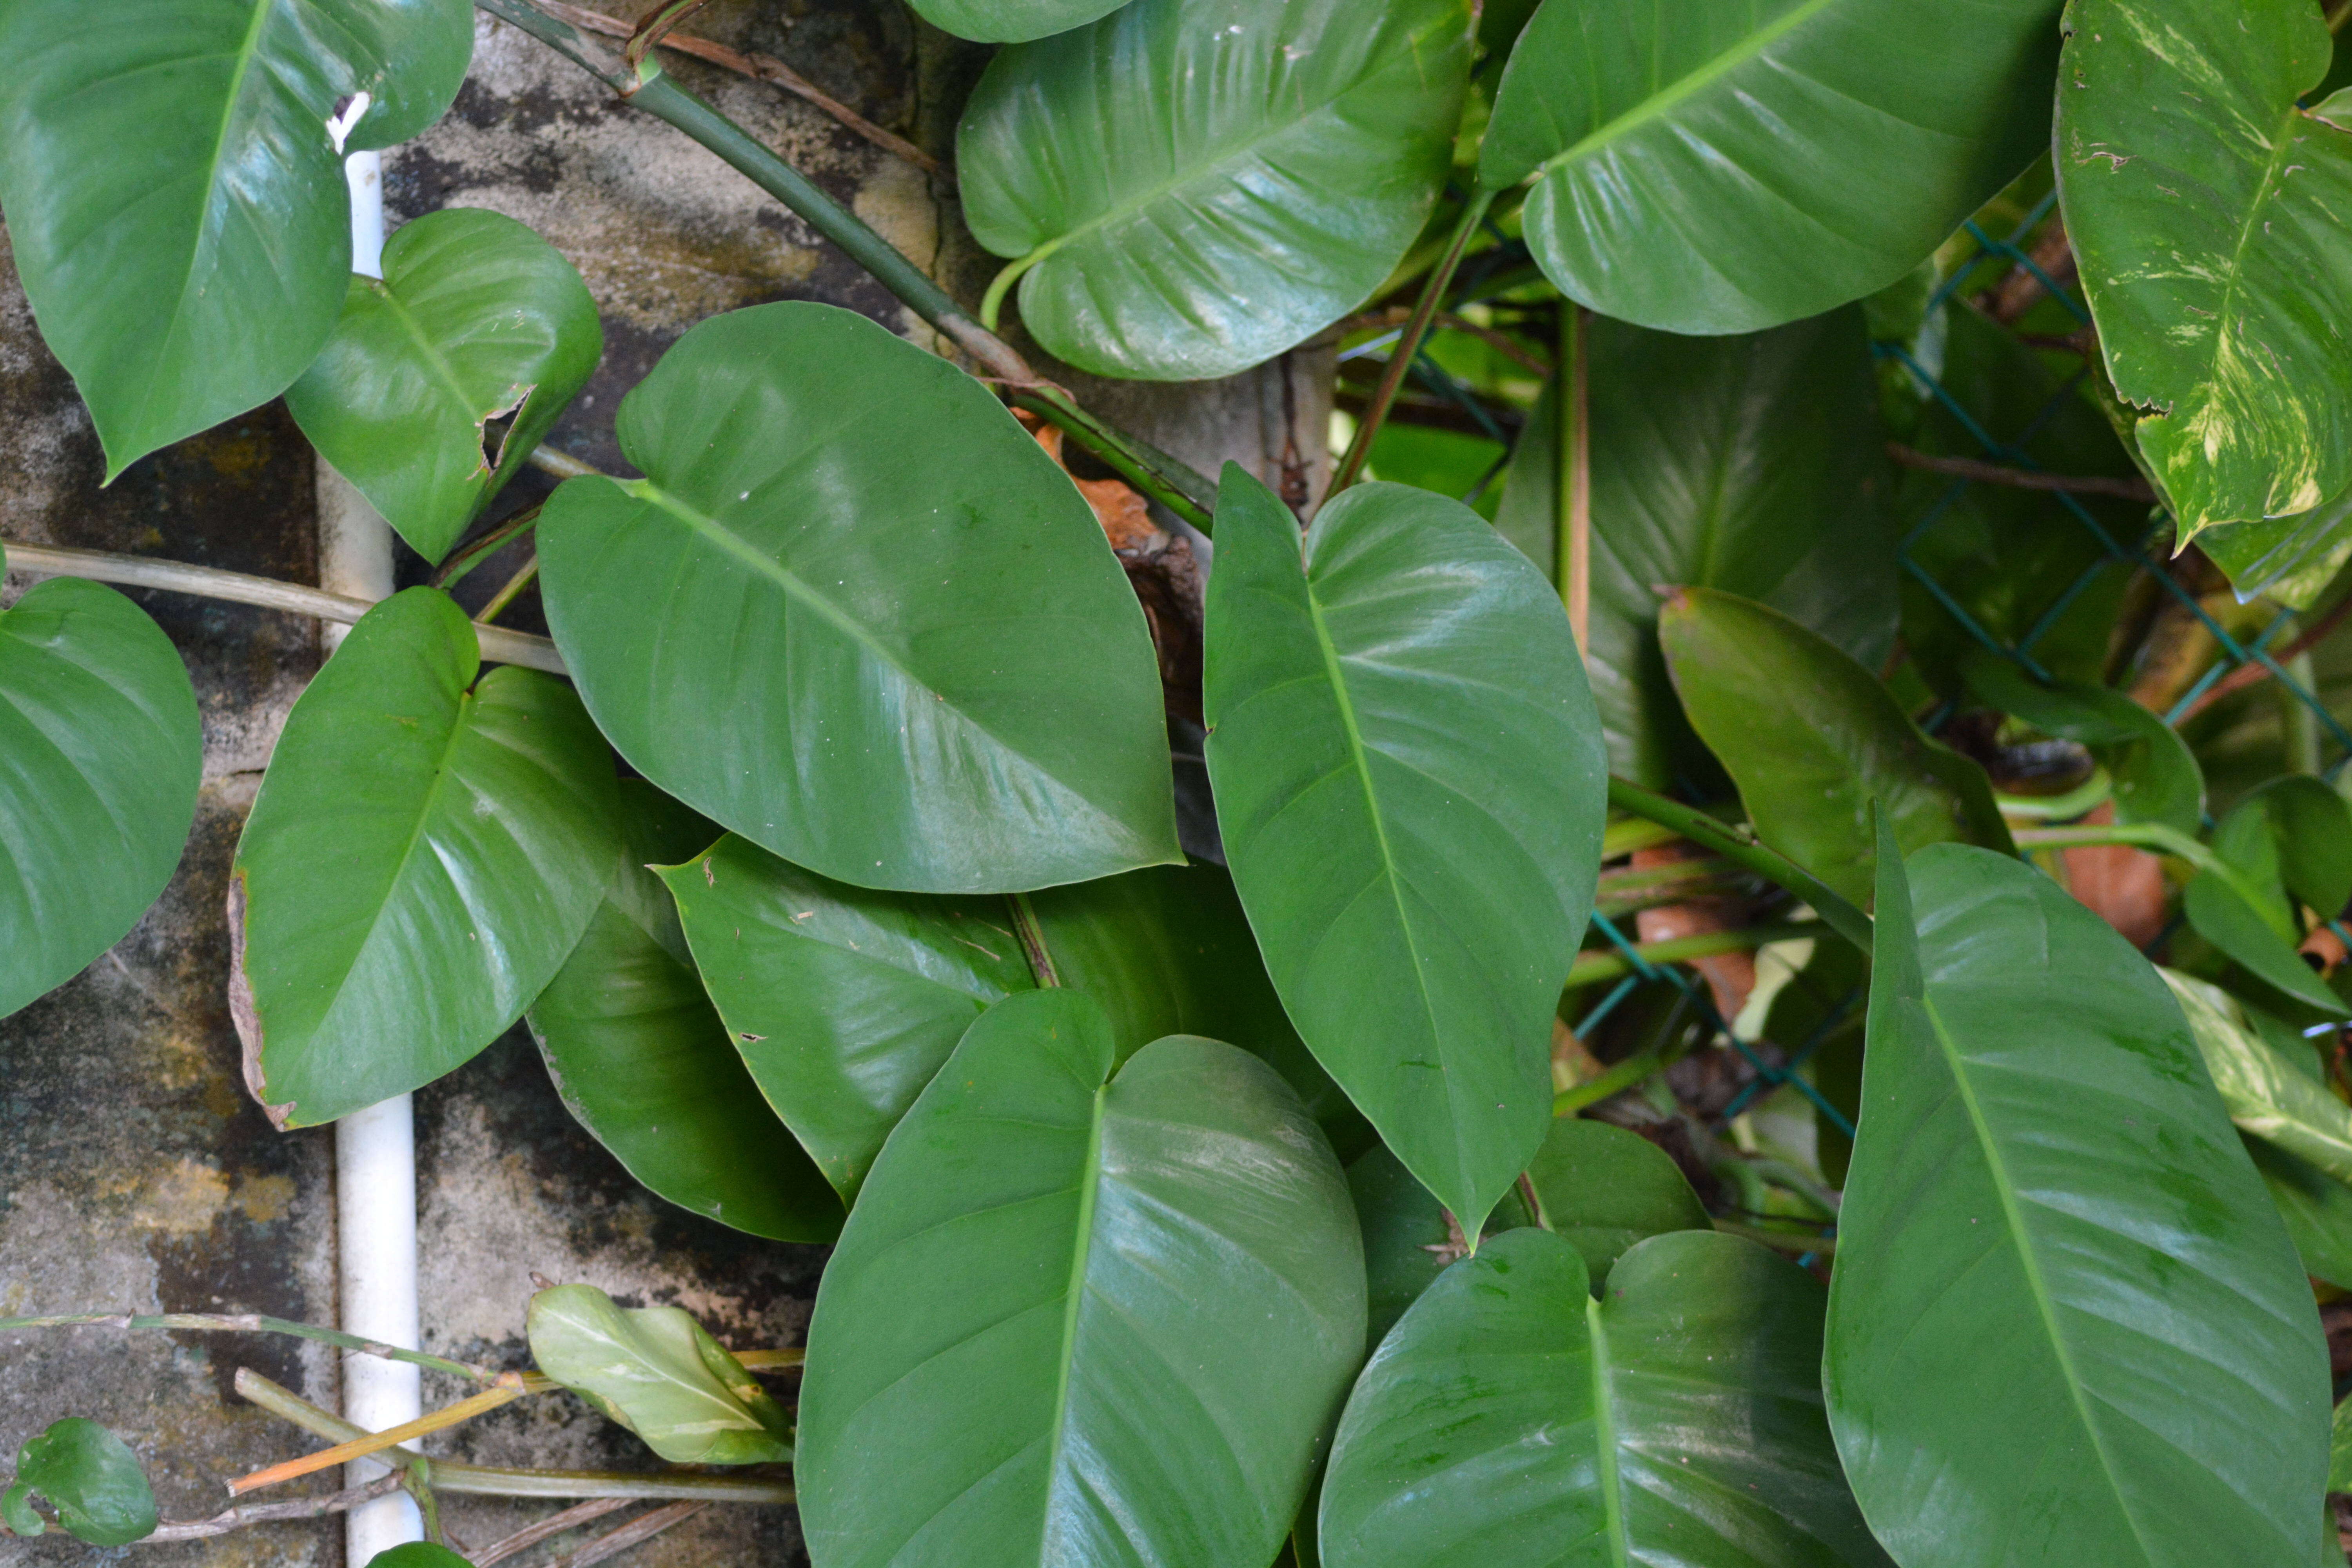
(844, 1001)
(1077, 1317)
(1514, 1421)
(1705, 168)
(2179, 133)
(932, 671)
(2064, 1326)
(643, 1062)
(1741, 463)
(2265, 1093)
(2156, 775)
(423, 855)
(1011, 21)
(1813, 739)
(90, 1477)
(1411, 783)
(658, 1373)
(475, 319)
(1191, 187)
(176, 208)
(1603, 1190)
(105, 752)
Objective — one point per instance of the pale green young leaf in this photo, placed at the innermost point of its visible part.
(658, 1373)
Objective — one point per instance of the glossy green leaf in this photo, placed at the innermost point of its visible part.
(1741, 463)
(1078, 1317)
(658, 1373)
(2315, 1206)
(2204, 206)
(1011, 21)
(1409, 780)
(2265, 1093)
(103, 755)
(1604, 1190)
(2249, 932)
(1191, 187)
(2018, 563)
(475, 319)
(642, 1061)
(417, 1555)
(176, 208)
(2062, 1326)
(859, 616)
(90, 1477)
(1511, 1420)
(422, 857)
(1408, 1238)
(2292, 559)
(2156, 775)
(1722, 168)
(1812, 738)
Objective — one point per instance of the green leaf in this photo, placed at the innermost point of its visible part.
(91, 1478)
(2018, 562)
(2156, 775)
(2339, 1450)
(1408, 1239)
(658, 1373)
(2311, 826)
(104, 754)
(417, 1555)
(2265, 1093)
(859, 616)
(177, 212)
(643, 1062)
(2249, 933)
(476, 318)
(1820, 1009)
(1723, 168)
(2294, 835)
(1512, 1420)
(1740, 463)
(2053, 1251)
(1011, 21)
(1081, 1318)
(1603, 1190)
(2292, 559)
(423, 855)
(2178, 132)
(2316, 1208)
(1192, 186)
(1811, 739)
(1409, 782)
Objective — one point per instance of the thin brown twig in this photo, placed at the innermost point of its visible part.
(2022, 478)
(553, 1525)
(759, 67)
(645, 1527)
(263, 1512)
(2247, 675)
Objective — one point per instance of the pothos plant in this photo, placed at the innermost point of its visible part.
(1350, 1187)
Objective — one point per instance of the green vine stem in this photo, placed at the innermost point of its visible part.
(1608, 963)
(1740, 844)
(1155, 473)
(2153, 835)
(485, 1480)
(1408, 343)
(251, 1324)
(1032, 941)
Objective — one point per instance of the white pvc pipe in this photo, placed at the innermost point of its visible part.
(375, 1149)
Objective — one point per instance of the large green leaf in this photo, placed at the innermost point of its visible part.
(91, 1478)
(1813, 739)
(1604, 1190)
(2155, 774)
(177, 211)
(475, 319)
(2316, 1208)
(2292, 559)
(1077, 1318)
(1409, 1238)
(1711, 168)
(2205, 208)
(2261, 1087)
(2064, 1326)
(1409, 782)
(641, 1059)
(1011, 21)
(855, 614)
(844, 1001)
(423, 855)
(1192, 186)
(103, 752)
(1742, 463)
(658, 1373)
(1513, 1421)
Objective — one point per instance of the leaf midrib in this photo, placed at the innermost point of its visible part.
(1409, 44)
(1685, 86)
(1605, 1429)
(2038, 1289)
(442, 370)
(1089, 1188)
